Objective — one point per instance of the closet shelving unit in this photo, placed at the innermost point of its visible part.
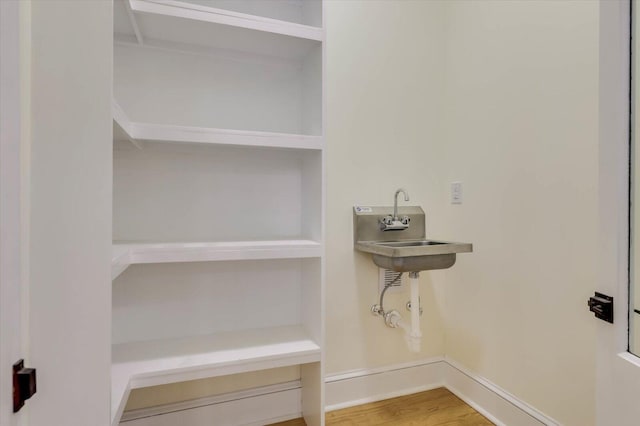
(218, 193)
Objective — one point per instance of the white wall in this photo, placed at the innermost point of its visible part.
(502, 96)
(70, 241)
(521, 107)
(384, 87)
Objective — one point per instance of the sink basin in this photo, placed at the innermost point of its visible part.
(410, 243)
(405, 250)
(413, 255)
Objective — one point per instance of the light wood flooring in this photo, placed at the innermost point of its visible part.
(437, 407)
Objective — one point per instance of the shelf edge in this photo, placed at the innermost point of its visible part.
(120, 261)
(130, 375)
(131, 254)
(138, 132)
(136, 381)
(120, 117)
(216, 136)
(196, 12)
(161, 378)
(119, 400)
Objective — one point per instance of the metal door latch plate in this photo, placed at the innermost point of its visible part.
(602, 306)
(24, 384)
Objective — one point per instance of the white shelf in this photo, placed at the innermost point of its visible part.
(147, 132)
(120, 260)
(177, 24)
(125, 254)
(142, 364)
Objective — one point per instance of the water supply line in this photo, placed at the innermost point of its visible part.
(393, 319)
(379, 309)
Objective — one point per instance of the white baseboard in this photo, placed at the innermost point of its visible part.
(281, 402)
(363, 386)
(253, 407)
(493, 402)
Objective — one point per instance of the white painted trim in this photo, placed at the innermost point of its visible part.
(212, 15)
(172, 133)
(429, 374)
(493, 402)
(358, 387)
(364, 386)
(630, 358)
(120, 260)
(120, 117)
(151, 363)
(137, 132)
(12, 324)
(134, 23)
(129, 254)
(617, 378)
(121, 120)
(215, 399)
(378, 370)
(250, 408)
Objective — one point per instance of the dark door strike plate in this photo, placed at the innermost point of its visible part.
(24, 384)
(602, 306)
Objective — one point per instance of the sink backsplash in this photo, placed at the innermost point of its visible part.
(366, 223)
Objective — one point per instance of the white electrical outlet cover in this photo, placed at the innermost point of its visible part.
(456, 193)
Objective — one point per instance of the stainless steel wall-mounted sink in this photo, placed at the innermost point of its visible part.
(396, 240)
(415, 255)
(406, 250)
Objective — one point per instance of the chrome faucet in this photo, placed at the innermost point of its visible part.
(395, 201)
(395, 223)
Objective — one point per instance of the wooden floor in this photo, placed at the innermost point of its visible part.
(437, 407)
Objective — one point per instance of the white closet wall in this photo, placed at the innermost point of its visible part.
(218, 89)
(211, 193)
(205, 297)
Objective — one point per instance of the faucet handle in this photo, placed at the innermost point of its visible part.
(387, 220)
(389, 223)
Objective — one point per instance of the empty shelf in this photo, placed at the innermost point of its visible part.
(120, 260)
(183, 25)
(126, 254)
(141, 132)
(142, 364)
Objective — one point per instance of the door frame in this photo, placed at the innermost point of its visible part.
(12, 219)
(617, 371)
